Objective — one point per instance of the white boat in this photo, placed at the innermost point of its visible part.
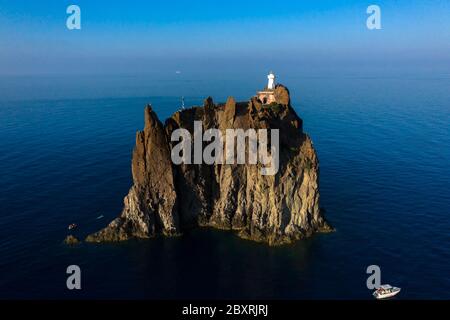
(386, 291)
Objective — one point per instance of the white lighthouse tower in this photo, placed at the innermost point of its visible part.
(271, 83)
(267, 96)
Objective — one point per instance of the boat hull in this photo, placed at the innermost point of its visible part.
(386, 295)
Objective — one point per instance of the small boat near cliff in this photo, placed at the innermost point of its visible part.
(386, 291)
(72, 226)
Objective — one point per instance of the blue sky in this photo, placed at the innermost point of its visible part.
(226, 36)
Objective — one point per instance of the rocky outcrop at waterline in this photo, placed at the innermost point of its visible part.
(167, 198)
(71, 240)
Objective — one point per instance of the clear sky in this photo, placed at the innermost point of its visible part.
(226, 36)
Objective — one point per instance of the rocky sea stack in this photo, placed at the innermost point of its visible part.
(166, 199)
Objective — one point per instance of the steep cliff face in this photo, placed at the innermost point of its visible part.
(167, 198)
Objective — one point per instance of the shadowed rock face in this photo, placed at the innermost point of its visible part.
(167, 198)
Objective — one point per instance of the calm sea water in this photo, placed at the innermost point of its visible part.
(384, 150)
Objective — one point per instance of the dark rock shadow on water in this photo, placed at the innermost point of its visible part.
(201, 264)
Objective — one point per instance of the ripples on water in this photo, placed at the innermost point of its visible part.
(383, 146)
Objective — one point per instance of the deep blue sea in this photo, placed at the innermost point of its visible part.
(384, 148)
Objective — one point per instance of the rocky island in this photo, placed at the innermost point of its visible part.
(167, 198)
